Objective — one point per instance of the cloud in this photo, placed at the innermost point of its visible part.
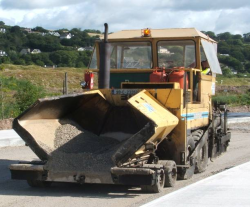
(180, 5)
(36, 4)
(235, 21)
(201, 5)
(216, 15)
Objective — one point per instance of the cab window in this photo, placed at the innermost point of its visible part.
(176, 54)
(136, 55)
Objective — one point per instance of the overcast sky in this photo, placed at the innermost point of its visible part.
(210, 15)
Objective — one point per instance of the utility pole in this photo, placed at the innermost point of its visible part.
(65, 84)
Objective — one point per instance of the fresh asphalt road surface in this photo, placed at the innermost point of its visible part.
(18, 193)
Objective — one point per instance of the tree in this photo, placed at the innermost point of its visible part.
(246, 52)
(75, 31)
(13, 55)
(64, 58)
(19, 62)
(224, 36)
(92, 31)
(39, 29)
(80, 64)
(231, 61)
(247, 67)
(238, 55)
(2, 23)
(15, 29)
(235, 42)
(40, 63)
(237, 36)
(210, 34)
(226, 72)
(223, 47)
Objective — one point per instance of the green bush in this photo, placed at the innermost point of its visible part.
(242, 99)
(1, 68)
(17, 95)
(27, 94)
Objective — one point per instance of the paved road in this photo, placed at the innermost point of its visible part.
(18, 193)
(223, 189)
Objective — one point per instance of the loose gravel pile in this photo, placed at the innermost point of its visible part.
(77, 149)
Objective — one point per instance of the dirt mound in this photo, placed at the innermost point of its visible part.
(6, 124)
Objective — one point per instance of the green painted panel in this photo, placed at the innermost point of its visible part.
(117, 78)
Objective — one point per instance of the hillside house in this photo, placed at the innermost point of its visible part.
(35, 51)
(65, 36)
(2, 30)
(235, 72)
(3, 53)
(25, 51)
(163, 50)
(29, 30)
(56, 34)
(80, 49)
(88, 48)
(247, 35)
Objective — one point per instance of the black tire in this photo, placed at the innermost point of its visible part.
(38, 184)
(187, 173)
(170, 171)
(157, 187)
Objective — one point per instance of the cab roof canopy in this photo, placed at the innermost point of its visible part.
(160, 33)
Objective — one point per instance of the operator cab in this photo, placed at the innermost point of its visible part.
(159, 58)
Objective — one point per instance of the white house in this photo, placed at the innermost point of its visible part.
(2, 30)
(234, 71)
(85, 49)
(54, 33)
(25, 51)
(80, 49)
(163, 50)
(3, 53)
(88, 48)
(35, 51)
(66, 36)
(29, 30)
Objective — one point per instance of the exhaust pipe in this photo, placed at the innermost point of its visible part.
(105, 52)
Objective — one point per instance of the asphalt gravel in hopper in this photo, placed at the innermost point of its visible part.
(77, 149)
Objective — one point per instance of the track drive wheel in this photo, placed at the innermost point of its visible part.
(170, 171)
(38, 183)
(158, 186)
(187, 173)
(202, 158)
(202, 151)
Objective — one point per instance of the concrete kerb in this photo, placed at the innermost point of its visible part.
(9, 138)
(238, 120)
